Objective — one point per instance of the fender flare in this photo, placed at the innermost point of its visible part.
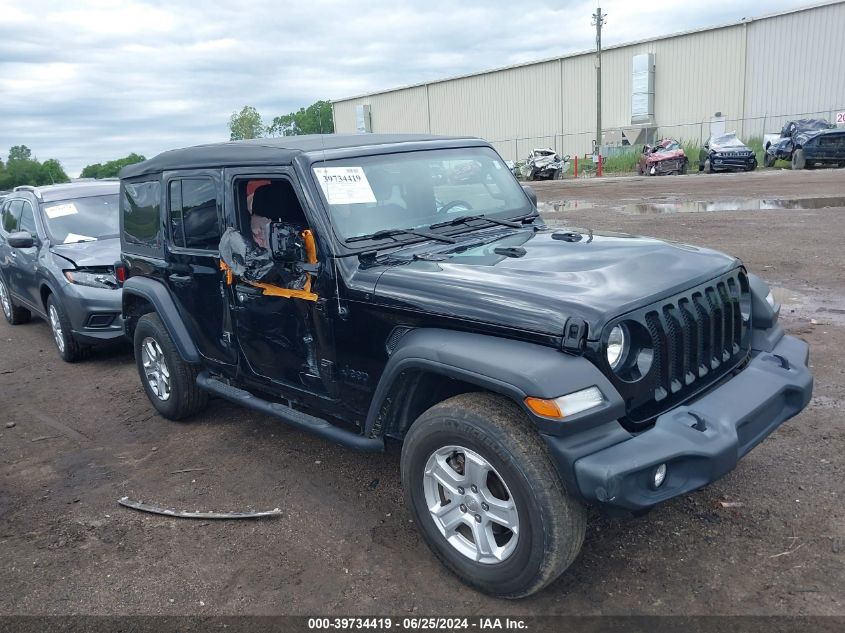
(516, 369)
(157, 294)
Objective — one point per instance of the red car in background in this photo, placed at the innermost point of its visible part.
(666, 157)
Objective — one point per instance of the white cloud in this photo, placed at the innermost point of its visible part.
(98, 79)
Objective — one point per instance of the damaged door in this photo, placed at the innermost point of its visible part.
(281, 335)
(194, 219)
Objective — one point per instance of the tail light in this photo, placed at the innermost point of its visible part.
(120, 272)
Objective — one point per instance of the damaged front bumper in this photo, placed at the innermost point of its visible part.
(699, 442)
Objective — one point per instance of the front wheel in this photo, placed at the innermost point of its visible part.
(798, 160)
(768, 160)
(69, 348)
(486, 497)
(708, 166)
(170, 382)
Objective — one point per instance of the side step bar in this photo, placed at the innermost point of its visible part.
(295, 418)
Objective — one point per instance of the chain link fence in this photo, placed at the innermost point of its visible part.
(751, 130)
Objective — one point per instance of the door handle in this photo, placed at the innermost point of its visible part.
(179, 278)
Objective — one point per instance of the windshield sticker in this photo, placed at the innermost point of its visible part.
(59, 210)
(345, 185)
(73, 237)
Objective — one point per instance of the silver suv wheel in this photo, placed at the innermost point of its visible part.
(56, 326)
(155, 368)
(471, 505)
(5, 300)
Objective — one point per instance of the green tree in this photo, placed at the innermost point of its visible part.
(20, 152)
(52, 172)
(315, 119)
(245, 124)
(23, 169)
(112, 168)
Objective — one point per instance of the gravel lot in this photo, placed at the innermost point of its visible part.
(85, 436)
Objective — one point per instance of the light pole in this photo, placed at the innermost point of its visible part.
(598, 21)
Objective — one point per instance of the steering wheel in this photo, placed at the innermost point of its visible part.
(455, 203)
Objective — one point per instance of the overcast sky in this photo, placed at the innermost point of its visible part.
(92, 80)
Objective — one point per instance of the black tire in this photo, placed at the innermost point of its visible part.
(684, 167)
(640, 170)
(708, 166)
(68, 347)
(768, 160)
(700, 166)
(14, 314)
(551, 524)
(185, 398)
(798, 160)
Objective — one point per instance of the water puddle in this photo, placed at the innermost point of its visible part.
(734, 204)
(739, 204)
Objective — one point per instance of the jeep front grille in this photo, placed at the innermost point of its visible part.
(695, 338)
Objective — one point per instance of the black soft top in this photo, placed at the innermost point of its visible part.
(280, 150)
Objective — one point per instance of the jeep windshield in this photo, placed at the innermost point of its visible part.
(81, 219)
(411, 192)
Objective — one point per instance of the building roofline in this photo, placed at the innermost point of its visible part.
(545, 60)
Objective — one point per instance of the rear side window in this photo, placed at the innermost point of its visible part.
(193, 214)
(140, 208)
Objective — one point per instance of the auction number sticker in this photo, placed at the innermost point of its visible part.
(840, 118)
(59, 210)
(345, 185)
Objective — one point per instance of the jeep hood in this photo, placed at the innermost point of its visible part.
(596, 278)
(89, 254)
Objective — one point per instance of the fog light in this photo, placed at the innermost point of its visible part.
(658, 476)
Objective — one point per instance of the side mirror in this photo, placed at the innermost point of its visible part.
(21, 239)
(532, 195)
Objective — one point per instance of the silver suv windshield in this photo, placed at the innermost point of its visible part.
(414, 190)
(81, 219)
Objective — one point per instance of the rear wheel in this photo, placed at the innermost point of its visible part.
(15, 315)
(69, 348)
(486, 497)
(798, 160)
(169, 382)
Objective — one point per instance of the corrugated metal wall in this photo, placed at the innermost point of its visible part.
(788, 64)
(795, 65)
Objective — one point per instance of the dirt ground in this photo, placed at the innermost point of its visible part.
(85, 436)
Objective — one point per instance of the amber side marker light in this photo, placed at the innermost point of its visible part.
(570, 404)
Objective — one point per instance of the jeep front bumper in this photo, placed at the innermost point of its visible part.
(702, 440)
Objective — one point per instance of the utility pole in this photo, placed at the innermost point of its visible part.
(598, 21)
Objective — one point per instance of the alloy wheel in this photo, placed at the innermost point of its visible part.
(56, 326)
(471, 505)
(155, 368)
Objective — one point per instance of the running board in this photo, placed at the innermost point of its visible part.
(295, 418)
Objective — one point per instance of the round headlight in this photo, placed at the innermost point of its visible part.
(616, 343)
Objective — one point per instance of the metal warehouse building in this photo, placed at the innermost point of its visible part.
(750, 76)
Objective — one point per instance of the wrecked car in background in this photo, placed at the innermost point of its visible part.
(543, 164)
(808, 143)
(529, 372)
(781, 144)
(666, 157)
(726, 152)
(58, 246)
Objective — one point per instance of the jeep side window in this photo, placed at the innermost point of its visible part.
(141, 210)
(193, 214)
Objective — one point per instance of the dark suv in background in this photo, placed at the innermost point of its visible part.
(58, 247)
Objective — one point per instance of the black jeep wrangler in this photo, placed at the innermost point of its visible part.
(341, 284)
